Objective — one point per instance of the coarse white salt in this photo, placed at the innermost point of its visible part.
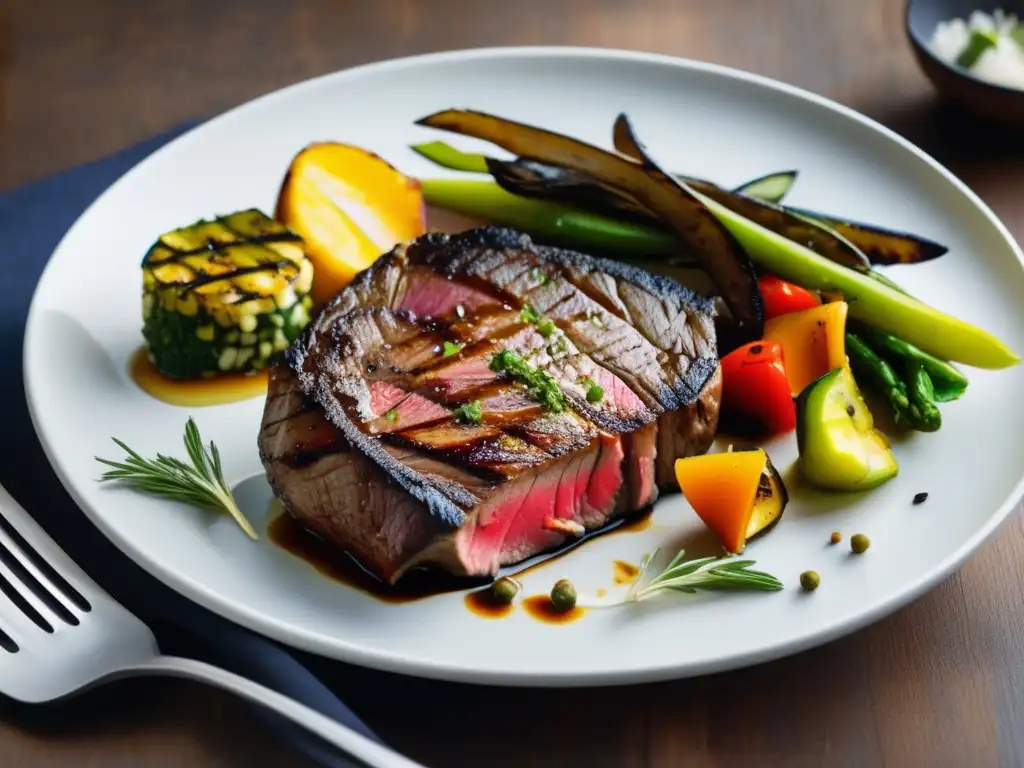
(1000, 64)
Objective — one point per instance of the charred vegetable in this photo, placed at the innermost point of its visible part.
(773, 218)
(225, 294)
(663, 196)
(739, 495)
(769, 502)
(350, 206)
(881, 246)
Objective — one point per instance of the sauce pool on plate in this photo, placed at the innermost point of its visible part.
(483, 603)
(218, 390)
(541, 608)
(625, 573)
(289, 535)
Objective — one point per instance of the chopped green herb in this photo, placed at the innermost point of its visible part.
(450, 349)
(469, 413)
(545, 325)
(594, 391)
(391, 415)
(529, 315)
(596, 321)
(538, 274)
(540, 384)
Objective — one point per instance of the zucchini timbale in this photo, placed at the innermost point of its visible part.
(226, 294)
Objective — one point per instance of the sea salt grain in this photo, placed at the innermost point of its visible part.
(1002, 63)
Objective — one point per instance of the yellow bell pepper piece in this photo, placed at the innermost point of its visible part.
(813, 342)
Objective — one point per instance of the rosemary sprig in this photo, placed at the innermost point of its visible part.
(707, 573)
(201, 484)
(691, 576)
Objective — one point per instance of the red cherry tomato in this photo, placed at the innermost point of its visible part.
(782, 297)
(755, 390)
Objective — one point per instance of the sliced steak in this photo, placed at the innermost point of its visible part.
(390, 429)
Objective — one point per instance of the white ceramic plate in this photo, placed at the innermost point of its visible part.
(701, 119)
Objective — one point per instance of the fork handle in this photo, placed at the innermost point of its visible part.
(341, 736)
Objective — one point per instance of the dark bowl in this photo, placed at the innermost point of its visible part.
(994, 103)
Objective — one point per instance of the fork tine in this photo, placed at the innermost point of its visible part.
(23, 608)
(59, 573)
(24, 568)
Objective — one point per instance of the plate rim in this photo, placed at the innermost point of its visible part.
(340, 650)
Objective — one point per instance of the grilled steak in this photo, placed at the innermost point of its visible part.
(471, 400)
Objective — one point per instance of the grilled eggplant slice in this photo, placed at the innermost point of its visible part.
(531, 179)
(772, 217)
(650, 188)
(881, 246)
(739, 495)
(769, 502)
(225, 294)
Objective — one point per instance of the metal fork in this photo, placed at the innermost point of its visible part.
(61, 633)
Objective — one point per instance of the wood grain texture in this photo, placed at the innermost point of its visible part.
(940, 683)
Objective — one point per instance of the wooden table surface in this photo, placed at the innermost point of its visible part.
(940, 683)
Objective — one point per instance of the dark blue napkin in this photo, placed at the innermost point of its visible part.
(33, 219)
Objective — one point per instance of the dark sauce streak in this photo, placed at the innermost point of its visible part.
(288, 534)
(483, 604)
(340, 566)
(541, 608)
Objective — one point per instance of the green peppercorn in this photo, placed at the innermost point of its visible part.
(836, 537)
(859, 543)
(563, 595)
(504, 590)
(810, 580)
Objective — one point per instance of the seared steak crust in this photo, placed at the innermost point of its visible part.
(365, 438)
